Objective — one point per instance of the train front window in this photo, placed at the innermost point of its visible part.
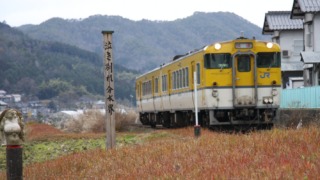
(217, 61)
(268, 60)
(244, 64)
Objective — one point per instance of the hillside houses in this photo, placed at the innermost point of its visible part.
(298, 33)
(7, 98)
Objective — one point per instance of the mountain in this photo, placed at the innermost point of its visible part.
(63, 58)
(143, 45)
(51, 69)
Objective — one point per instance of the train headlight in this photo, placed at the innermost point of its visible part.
(269, 45)
(215, 93)
(217, 46)
(274, 92)
(267, 100)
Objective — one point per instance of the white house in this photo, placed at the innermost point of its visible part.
(288, 33)
(16, 97)
(309, 12)
(3, 92)
(3, 106)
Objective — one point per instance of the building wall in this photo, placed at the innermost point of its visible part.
(289, 40)
(316, 26)
(291, 65)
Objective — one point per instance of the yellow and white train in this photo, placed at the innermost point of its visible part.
(238, 83)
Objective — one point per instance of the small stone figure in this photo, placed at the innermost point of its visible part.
(11, 127)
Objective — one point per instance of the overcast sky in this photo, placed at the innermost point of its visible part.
(20, 12)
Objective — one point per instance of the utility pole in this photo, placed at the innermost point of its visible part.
(109, 90)
(197, 128)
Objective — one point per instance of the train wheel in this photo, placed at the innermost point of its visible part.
(153, 125)
(166, 123)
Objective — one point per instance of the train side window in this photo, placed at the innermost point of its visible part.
(175, 80)
(198, 73)
(142, 89)
(156, 87)
(164, 83)
(187, 76)
(183, 77)
(244, 64)
(148, 87)
(180, 77)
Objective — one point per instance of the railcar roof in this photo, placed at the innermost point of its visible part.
(195, 52)
(173, 61)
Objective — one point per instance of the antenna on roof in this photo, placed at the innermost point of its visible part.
(242, 34)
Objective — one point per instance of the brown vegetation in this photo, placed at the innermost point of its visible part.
(94, 121)
(290, 118)
(40, 132)
(176, 154)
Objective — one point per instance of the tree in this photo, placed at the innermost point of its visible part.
(53, 88)
(27, 86)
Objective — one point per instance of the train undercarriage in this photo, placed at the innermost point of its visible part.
(238, 118)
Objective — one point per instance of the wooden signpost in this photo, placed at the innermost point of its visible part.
(109, 90)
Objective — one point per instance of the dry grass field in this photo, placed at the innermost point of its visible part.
(177, 154)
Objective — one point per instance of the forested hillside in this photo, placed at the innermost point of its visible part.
(63, 58)
(143, 45)
(52, 69)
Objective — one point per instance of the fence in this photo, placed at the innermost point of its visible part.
(308, 97)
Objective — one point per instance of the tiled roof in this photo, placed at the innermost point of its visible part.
(2, 103)
(300, 7)
(280, 20)
(310, 57)
(309, 5)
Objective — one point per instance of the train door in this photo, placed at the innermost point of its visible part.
(139, 95)
(244, 81)
(169, 87)
(193, 68)
(153, 90)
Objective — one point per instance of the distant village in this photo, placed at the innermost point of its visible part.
(41, 111)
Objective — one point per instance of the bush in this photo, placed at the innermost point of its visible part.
(290, 118)
(95, 121)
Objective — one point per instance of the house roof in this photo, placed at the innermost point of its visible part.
(300, 7)
(310, 57)
(292, 66)
(280, 20)
(3, 103)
